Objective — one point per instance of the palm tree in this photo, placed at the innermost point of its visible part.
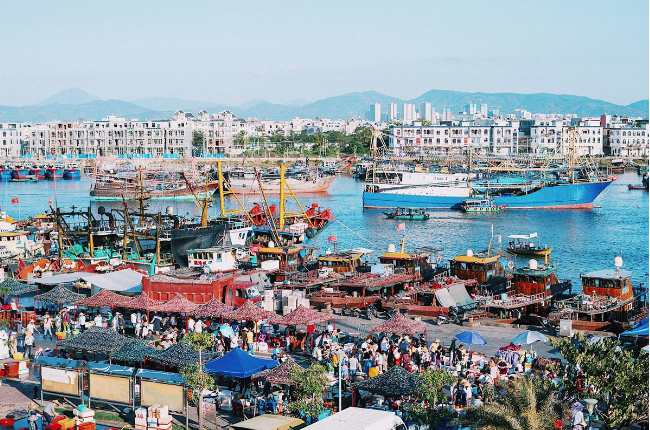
(524, 404)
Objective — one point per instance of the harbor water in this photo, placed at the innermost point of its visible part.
(582, 240)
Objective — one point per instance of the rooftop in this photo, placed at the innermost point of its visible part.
(608, 274)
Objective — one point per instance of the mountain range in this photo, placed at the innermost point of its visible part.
(75, 103)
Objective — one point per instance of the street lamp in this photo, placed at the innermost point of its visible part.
(340, 354)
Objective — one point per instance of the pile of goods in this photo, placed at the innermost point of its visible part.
(156, 417)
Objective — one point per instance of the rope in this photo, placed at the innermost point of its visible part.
(627, 194)
(357, 234)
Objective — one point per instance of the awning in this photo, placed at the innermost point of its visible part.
(461, 297)
(642, 328)
(238, 364)
(161, 376)
(59, 362)
(444, 298)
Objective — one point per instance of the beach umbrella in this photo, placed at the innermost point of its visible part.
(470, 338)
(529, 337)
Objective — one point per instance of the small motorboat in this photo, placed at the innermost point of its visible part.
(636, 187)
(524, 244)
(409, 214)
(484, 205)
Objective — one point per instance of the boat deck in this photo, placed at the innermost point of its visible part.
(512, 302)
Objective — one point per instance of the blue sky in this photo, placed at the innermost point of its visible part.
(235, 51)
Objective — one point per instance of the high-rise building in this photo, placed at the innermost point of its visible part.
(426, 112)
(408, 113)
(374, 113)
(393, 112)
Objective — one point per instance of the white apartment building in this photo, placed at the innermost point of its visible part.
(392, 116)
(629, 141)
(426, 111)
(546, 137)
(496, 138)
(408, 113)
(12, 138)
(374, 113)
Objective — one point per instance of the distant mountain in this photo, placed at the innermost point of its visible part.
(71, 96)
(75, 103)
(297, 102)
(95, 110)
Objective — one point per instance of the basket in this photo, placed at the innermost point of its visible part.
(60, 335)
(18, 356)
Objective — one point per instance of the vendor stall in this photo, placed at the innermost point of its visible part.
(399, 324)
(155, 385)
(110, 383)
(61, 377)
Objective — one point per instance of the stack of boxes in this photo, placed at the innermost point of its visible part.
(268, 302)
(22, 369)
(84, 418)
(156, 418)
(291, 299)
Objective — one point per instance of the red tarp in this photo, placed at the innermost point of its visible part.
(212, 309)
(105, 298)
(143, 302)
(399, 324)
(249, 312)
(178, 304)
(303, 316)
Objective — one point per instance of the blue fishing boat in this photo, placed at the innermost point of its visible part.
(71, 172)
(485, 205)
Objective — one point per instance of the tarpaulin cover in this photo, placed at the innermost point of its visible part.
(461, 297)
(642, 328)
(303, 316)
(250, 312)
(143, 302)
(16, 288)
(105, 298)
(179, 355)
(60, 362)
(399, 324)
(161, 376)
(135, 351)
(59, 294)
(444, 298)
(397, 382)
(96, 339)
(110, 368)
(239, 364)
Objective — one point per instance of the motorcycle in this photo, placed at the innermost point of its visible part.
(452, 317)
(368, 312)
(390, 313)
(345, 310)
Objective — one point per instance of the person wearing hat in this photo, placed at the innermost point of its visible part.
(29, 344)
(47, 327)
(32, 416)
(49, 412)
(82, 321)
(14, 309)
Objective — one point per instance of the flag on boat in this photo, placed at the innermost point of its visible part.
(50, 201)
(332, 238)
(15, 201)
(401, 226)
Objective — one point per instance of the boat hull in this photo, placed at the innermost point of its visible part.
(251, 186)
(72, 174)
(182, 240)
(54, 173)
(569, 196)
(535, 252)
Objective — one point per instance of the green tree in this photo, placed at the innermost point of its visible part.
(194, 376)
(424, 122)
(241, 140)
(618, 380)
(359, 141)
(310, 385)
(525, 404)
(198, 141)
(430, 392)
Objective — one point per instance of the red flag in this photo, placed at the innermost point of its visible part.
(401, 226)
(50, 201)
(332, 238)
(15, 201)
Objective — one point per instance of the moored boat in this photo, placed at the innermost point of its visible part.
(485, 205)
(38, 171)
(408, 214)
(71, 172)
(54, 172)
(523, 244)
(19, 172)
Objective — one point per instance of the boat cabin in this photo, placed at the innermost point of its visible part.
(480, 267)
(525, 244)
(408, 214)
(216, 259)
(417, 264)
(481, 205)
(610, 284)
(345, 261)
(537, 279)
(289, 259)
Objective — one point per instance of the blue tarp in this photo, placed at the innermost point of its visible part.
(642, 328)
(163, 376)
(110, 368)
(60, 362)
(238, 364)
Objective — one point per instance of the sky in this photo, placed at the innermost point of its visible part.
(236, 51)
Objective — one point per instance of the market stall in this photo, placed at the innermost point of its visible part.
(110, 383)
(95, 339)
(105, 298)
(399, 324)
(155, 385)
(61, 377)
(135, 351)
(179, 355)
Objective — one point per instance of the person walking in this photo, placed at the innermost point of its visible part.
(47, 327)
(66, 321)
(29, 343)
(82, 322)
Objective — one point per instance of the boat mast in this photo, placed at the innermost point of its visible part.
(223, 192)
(268, 209)
(284, 183)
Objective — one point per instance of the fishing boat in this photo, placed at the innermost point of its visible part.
(54, 171)
(5, 171)
(27, 178)
(19, 172)
(408, 214)
(423, 263)
(247, 182)
(524, 244)
(642, 186)
(484, 268)
(38, 171)
(485, 205)
(71, 171)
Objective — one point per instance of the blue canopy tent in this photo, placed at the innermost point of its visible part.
(642, 328)
(238, 364)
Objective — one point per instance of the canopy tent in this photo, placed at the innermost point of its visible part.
(144, 303)
(105, 298)
(58, 295)
(280, 374)
(16, 288)
(444, 298)
(96, 339)
(396, 382)
(179, 355)
(239, 364)
(178, 304)
(134, 351)
(212, 309)
(250, 312)
(303, 316)
(642, 328)
(399, 324)
(463, 300)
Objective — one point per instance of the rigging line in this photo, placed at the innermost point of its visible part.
(357, 234)
(627, 194)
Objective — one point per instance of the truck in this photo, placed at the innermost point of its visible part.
(228, 289)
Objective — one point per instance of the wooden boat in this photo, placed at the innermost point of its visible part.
(408, 214)
(485, 205)
(636, 187)
(523, 244)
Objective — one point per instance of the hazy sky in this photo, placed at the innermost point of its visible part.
(235, 51)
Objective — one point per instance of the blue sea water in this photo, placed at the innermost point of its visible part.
(582, 240)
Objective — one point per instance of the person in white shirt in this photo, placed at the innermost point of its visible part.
(145, 330)
(134, 319)
(190, 324)
(198, 326)
(98, 320)
(330, 328)
(82, 321)
(47, 327)
(32, 327)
